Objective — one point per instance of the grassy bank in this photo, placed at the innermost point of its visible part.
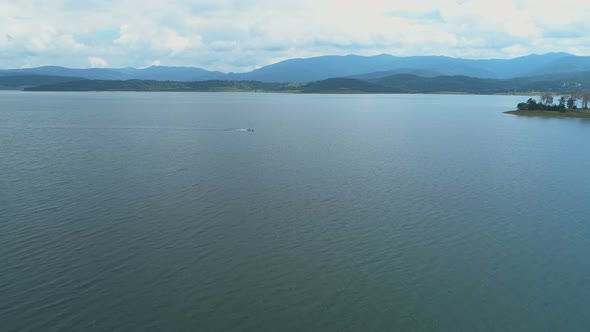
(551, 114)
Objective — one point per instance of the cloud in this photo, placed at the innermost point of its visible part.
(68, 42)
(236, 35)
(96, 62)
(150, 64)
(141, 36)
(424, 16)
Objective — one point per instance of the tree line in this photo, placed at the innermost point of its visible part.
(548, 103)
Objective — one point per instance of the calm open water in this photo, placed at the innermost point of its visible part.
(155, 212)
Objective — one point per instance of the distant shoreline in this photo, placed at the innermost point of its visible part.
(551, 114)
(347, 92)
(395, 84)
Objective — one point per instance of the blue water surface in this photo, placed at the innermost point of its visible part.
(131, 211)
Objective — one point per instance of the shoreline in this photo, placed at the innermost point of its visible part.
(350, 92)
(551, 114)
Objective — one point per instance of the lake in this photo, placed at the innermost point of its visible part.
(157, 212)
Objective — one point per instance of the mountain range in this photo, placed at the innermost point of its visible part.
(397, 83)
(325, 67)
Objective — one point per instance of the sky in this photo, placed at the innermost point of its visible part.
(242, 35)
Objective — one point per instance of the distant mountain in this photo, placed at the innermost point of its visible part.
(90, 73)
(160, 73)
(407, 83)
(399, 83)
(369, 67)
(163, 73)
(351, 66)
(379, 74)
(529, 65)
(318, 68)
(561, 65)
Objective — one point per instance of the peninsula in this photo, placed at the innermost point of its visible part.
(552, 114)
(566, 106)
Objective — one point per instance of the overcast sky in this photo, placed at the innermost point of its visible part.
(240, 35)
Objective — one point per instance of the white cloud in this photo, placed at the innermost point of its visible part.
(156, 38)
(96, 62)
(150, 64)
(68, 42)
(237, 35)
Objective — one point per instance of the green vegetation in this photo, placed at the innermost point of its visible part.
(565, 106)
(399, 83)
(343, 85)
(18, 82)
(145, 85)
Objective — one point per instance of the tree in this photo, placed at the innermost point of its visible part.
(571, 102)
(546, 98)
(531, 104)
(585, 99)
(562, 102)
